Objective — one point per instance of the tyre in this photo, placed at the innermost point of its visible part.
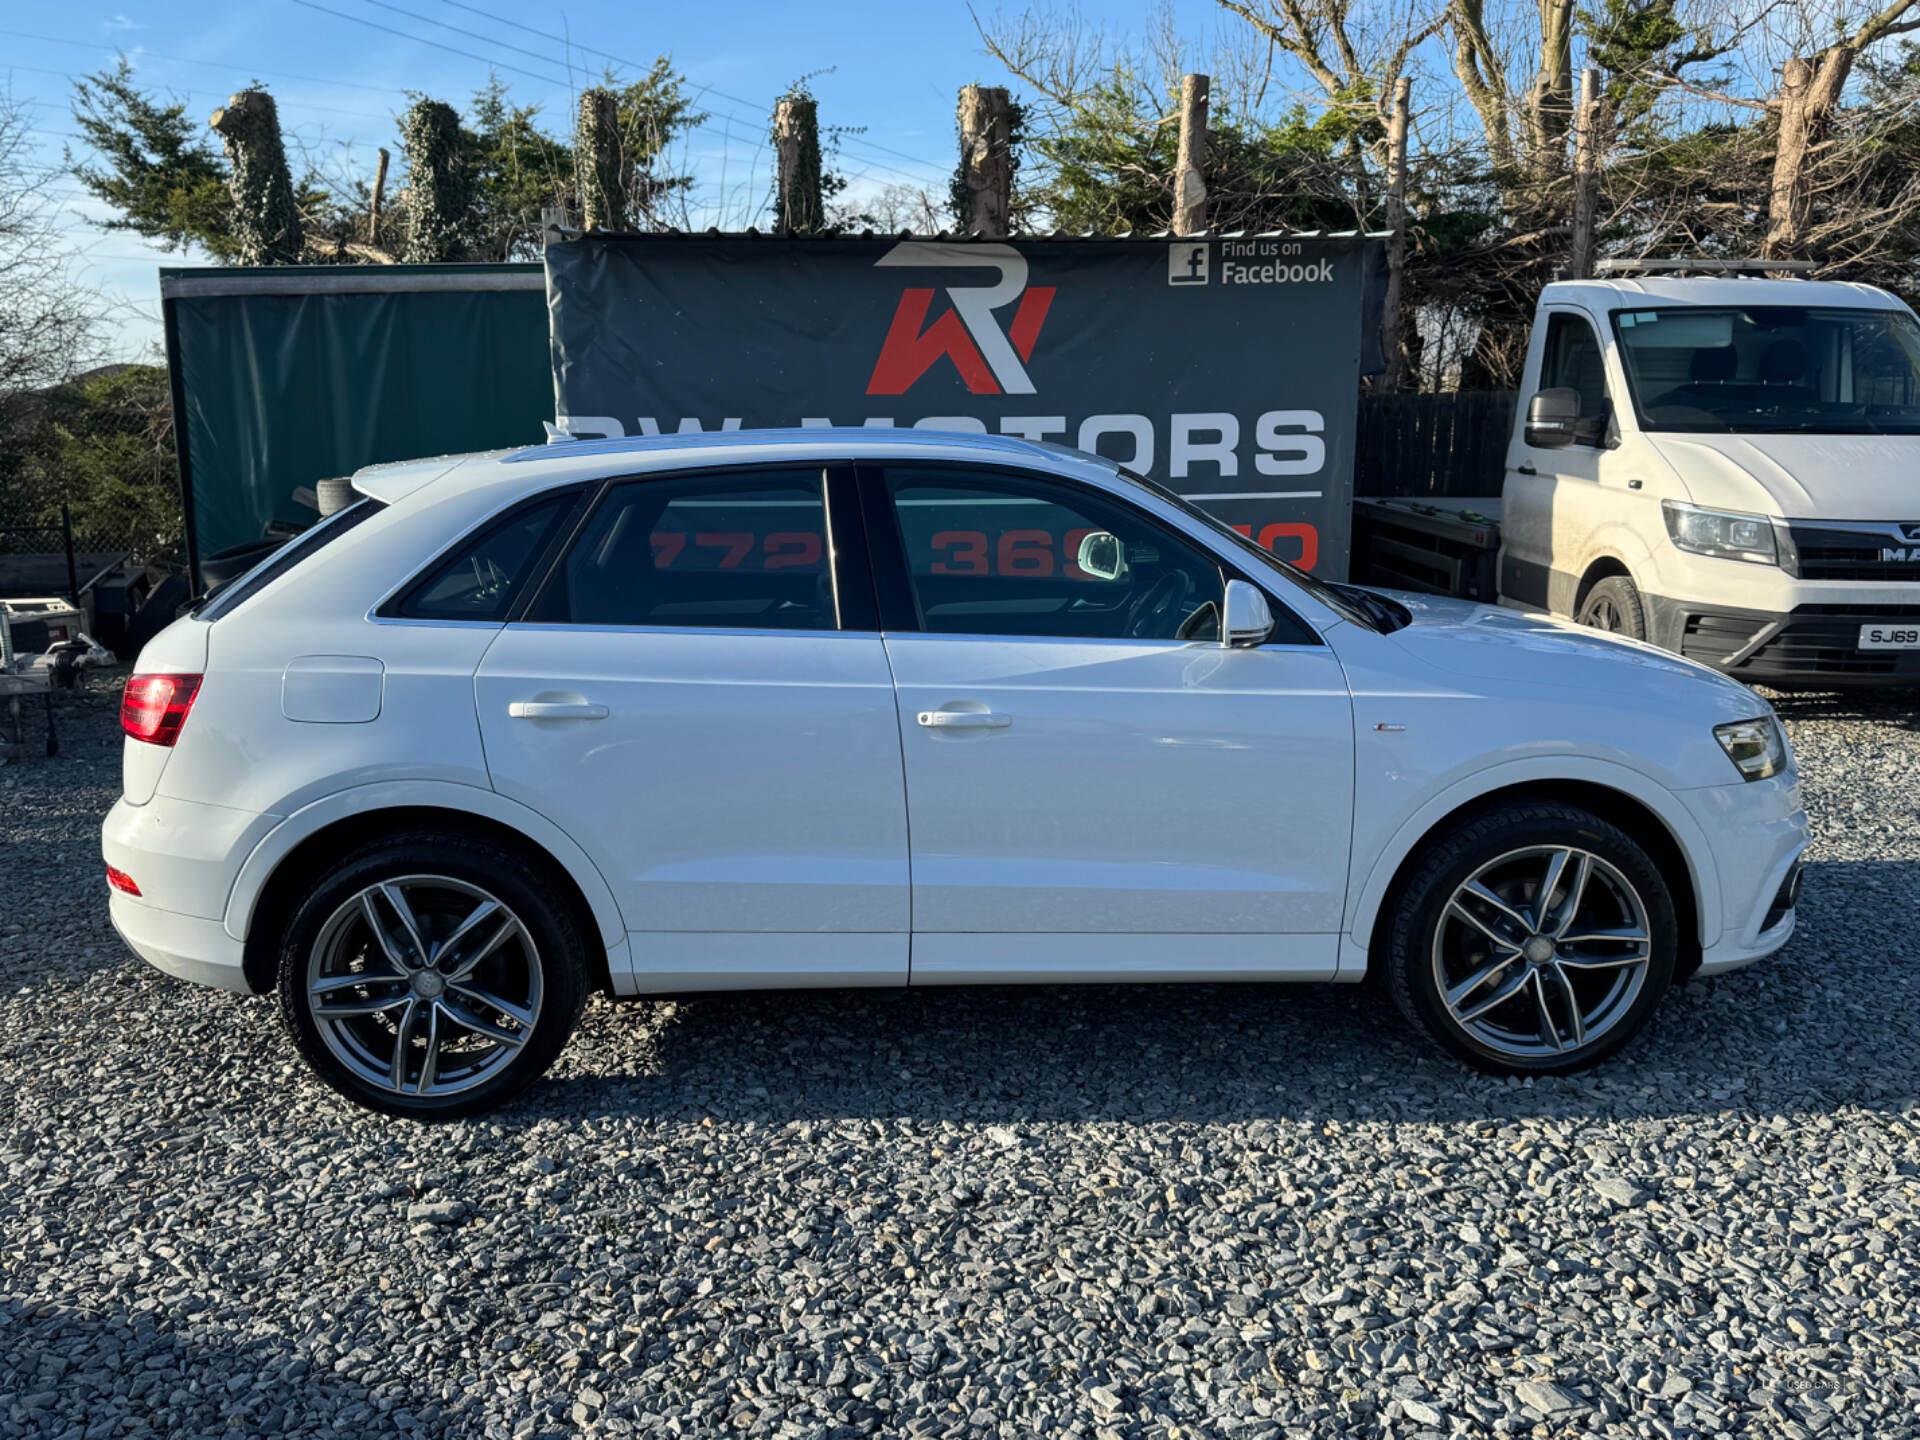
(431, 975)
(1533, 939)
(334, 494)
(1614, 605)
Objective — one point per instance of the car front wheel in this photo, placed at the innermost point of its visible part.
(1533, 939)
(431, 976)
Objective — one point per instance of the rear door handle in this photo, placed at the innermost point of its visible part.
(556, 710)
(964, 720)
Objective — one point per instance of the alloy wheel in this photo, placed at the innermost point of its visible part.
(424, 985)
(1602, 614)
(1541, 952)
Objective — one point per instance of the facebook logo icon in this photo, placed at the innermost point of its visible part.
(1187, 262)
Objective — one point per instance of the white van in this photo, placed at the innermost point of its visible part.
(1725, 466)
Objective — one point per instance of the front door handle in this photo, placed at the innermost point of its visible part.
(556, 710)
(1525, 467)
(964, 720)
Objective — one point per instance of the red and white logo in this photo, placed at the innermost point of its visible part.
(990, 361)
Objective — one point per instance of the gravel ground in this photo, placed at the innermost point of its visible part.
(1180, 1212)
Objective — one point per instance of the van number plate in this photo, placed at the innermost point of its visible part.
(1890, 637)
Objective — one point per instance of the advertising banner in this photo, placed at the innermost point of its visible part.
(1227, 368)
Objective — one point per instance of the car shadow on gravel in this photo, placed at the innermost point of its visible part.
(1787, 1036)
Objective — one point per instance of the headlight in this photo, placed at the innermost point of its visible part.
(1756, 747)
(1724, 534)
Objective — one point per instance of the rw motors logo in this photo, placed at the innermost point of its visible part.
(990, 361)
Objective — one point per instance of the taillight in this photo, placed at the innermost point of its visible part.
(154, 707)
(121, 881)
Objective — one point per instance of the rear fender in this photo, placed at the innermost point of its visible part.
(443, 795)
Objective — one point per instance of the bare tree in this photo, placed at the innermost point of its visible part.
(1356, 54)
(46, 319)
(1808, 99)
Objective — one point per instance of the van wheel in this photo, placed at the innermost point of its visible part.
(1614, 605)
(431, 975)
(1535, 939)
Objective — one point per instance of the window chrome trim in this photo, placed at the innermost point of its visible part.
(765, 632)
(1110, 640)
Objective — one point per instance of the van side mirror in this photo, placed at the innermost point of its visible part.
(1249, 619)
(1552, 417)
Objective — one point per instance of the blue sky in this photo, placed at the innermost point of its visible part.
(895, 68)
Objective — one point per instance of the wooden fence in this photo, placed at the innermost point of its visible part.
(1433, 445)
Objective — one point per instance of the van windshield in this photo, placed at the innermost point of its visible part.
(1769, 369)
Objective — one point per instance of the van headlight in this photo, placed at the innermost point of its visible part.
(1757, 748)
(1723, 534)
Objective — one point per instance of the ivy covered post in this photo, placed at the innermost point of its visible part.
(602, 161)
(439, 183)
(800, 205)
(983, 188)
(266, 221)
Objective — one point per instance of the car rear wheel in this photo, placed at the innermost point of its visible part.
(1614, 605)
(431, 976)
(1534, 939)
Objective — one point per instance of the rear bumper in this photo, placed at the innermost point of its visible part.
(184, 946)
(184, 857)
(1807, 645)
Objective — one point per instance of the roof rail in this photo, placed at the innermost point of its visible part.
(1701, 265)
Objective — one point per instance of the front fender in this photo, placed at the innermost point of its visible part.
(1371, 878)
(310, 819)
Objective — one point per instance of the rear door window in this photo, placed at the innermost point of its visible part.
(743, 550)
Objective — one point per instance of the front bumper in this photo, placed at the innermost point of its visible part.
(1758, 832)
(1809, 644)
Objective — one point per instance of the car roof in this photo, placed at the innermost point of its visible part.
(567, 459)
(1630, 292)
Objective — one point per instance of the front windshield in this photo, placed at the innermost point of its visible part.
(1326, 594)
(1767, 369)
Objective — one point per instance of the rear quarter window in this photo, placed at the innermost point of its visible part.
(484, 574)
(302, 547)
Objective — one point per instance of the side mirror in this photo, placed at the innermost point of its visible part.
(1248, 619)
(1552, 417)
(1102, 555)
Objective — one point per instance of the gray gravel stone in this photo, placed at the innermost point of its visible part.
(1620, 1192)
(1255, 1213)
(1544, 1396)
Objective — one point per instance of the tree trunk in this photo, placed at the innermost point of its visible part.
(1189, 171)
(1809, 95)
(597, 154)
(1476, 64)
(1550, 102)
(1586, 160)
(986, 160)
(1393, 323)
(265, 218)
(379, 197)
(796, 143)
(439, 190)
(1810, 92)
